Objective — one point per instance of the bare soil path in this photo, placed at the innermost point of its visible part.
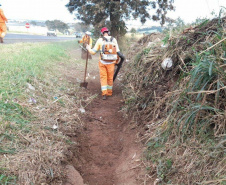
(107, 151)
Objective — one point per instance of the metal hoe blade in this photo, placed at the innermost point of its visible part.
(84, 84)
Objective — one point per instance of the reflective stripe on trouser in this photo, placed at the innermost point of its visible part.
(3, 29)
(106, 78)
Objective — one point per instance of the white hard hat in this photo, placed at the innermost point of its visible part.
(88, 33)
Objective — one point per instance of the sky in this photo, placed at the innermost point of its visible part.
(188, 10)
(37, 10)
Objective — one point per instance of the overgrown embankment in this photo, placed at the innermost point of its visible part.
(182, 109)
(37, 107)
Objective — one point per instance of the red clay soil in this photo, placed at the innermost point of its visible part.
(107, 152)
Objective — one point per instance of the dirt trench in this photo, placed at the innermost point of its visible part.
(107, 151)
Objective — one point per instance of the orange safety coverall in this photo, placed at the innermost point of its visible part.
(86, 40)
(106, 68)
(3, 27)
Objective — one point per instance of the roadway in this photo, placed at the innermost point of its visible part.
(16, 38)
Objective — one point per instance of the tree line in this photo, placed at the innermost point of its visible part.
(57, 25)
(115, 13)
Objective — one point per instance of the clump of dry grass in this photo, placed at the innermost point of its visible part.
(183, 106)
(41, 146)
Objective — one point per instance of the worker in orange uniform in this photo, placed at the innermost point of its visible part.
(3, 27)
(86, 40)
(109, 55)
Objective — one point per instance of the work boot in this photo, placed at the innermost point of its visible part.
(1, 40)
(104, 97)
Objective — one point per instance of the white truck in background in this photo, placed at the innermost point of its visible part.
(51, 33)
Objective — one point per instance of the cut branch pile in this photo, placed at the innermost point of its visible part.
(183, 104)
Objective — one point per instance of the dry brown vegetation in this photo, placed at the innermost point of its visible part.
(41, 149)
(35, 134)
(182, 110)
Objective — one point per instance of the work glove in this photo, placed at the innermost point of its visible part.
(78, 41)
(88, 47)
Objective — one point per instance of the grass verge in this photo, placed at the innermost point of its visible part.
(37, 107)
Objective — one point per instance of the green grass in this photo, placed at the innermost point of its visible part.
(5, 180)
(21, 65)
(13, 112)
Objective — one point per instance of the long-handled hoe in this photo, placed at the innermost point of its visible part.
(85, 84)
